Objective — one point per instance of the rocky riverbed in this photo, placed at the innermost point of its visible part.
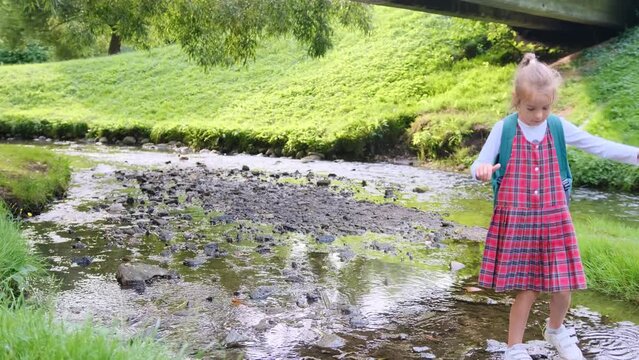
(254, 257)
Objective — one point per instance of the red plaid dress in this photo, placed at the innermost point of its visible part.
(531, 243)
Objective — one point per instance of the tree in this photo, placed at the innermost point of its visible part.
(211, 32)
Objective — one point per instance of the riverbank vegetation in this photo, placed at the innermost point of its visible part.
(610, 253)
(430, 83)
(31, 177)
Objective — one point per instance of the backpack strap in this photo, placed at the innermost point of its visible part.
(506, 145)
(505, 148)
(557, 132)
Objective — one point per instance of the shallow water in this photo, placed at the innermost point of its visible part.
(380, 304)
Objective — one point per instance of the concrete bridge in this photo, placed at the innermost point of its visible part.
(545, 15)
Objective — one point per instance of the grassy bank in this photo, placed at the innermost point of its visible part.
(34, 334)
(610, 252)
(356, 101)
(434, 83)
(31, 177)
(18, 267)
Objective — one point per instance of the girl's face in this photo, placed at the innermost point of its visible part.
(535, 108)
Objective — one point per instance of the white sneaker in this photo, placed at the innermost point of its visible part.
(565, 341)
(517, 352)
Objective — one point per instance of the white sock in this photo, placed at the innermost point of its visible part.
(555, 331)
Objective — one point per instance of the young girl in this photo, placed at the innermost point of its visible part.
(531, 245)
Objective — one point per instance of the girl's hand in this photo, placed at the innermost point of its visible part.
(485, 171)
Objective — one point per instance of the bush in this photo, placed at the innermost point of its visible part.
(31, 53)
(591, 171)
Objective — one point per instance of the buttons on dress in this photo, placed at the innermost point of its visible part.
(536, 192)
(537, 168)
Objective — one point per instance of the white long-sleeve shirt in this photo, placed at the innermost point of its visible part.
(574, 136)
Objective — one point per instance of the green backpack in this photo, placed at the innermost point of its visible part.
(507, 137)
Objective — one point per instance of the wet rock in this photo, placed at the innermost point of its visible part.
(401, 336)
(263, 249)
(421, 189)
(137, 276)
(115, 208)
(129, 141)
(103, 140)
(419, 349)
(325, 239)
(346, 254)
(494, 346)
(347, 309)
(193, 262)
(330, 341)
(292, 276)
(262, 238)
(456, 266)
(265, 324)
(165, 235)
(323, 182)
(235, 339)
(358, 321)
(159, 221)
(447, 224)
(478, 299)
(166, 253)
(387, 248)
(148, 188)
(186, 217)
(473, 233)
(79, 245)
(302, 301)
(310, 158)
(313, 296)
(189, 246)
(211, 249)
(222, 219)
(537, 349)
(82, 260)
(245, 168)
(390, 194)
(262, 292)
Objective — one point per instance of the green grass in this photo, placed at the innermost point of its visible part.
(28, 333)
(363, 94)
(610, 253)
(412, 81)
(31, 177)
(18, 267)
(606, 82)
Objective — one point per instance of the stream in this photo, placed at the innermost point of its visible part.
(253, 257)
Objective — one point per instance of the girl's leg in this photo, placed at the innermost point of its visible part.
(559, 305)
(519, 316)
(557, 334)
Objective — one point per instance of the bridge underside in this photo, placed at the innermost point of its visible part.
(547, 15)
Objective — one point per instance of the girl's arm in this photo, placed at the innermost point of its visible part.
(490, 149)
(598, 146)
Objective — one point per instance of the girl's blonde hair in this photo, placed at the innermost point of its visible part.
(534, 76)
